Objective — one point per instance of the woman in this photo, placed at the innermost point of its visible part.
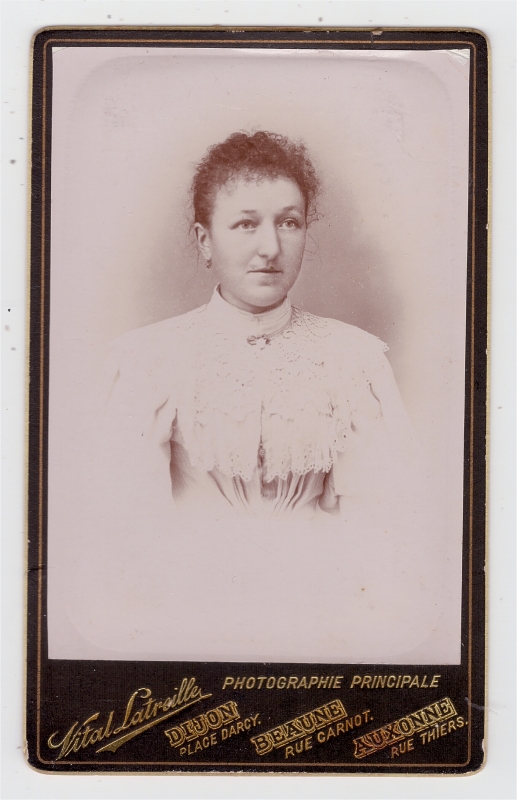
(232, 429)
(256, 405)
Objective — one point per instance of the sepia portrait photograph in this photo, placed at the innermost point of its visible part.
(258, 316)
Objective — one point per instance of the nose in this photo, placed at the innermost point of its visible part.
(269, 242)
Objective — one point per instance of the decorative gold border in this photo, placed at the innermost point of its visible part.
(406, 767)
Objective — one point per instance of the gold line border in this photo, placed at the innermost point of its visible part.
(368, 40)
(471, 428)
(472, 46)
(42, 405)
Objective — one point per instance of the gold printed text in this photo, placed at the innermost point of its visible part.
(198, 726)
(299, 727)
(142, 712)
(405, 727)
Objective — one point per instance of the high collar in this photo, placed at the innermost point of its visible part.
(234, 319)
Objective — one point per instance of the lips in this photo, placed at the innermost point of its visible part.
(265, 271)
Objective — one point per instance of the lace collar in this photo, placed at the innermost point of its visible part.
(280, 402)
(242, 323)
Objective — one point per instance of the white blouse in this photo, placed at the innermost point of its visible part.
(199, 530)
(272, 413)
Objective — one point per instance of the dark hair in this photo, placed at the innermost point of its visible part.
(258, 155)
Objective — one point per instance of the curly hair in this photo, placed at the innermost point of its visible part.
(258, 155)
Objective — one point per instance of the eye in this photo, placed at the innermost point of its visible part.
(245, 225)
(290, 224)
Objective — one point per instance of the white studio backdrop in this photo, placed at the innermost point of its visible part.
(389, 135)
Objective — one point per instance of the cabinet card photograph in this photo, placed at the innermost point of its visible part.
(258, 399)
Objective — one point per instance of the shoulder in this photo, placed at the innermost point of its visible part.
(150, 352)
(342, 335)
(357, 336)
(160, 332)
(158, 338)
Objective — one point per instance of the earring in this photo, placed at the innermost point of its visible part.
(208, 263)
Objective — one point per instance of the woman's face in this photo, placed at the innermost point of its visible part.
(256, 240)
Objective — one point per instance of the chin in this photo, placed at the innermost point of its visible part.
(266, 298)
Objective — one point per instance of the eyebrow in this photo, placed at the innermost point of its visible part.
(254, 210)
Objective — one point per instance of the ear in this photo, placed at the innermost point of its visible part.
(203, 241)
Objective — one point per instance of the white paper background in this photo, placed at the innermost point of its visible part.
(20, 21)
